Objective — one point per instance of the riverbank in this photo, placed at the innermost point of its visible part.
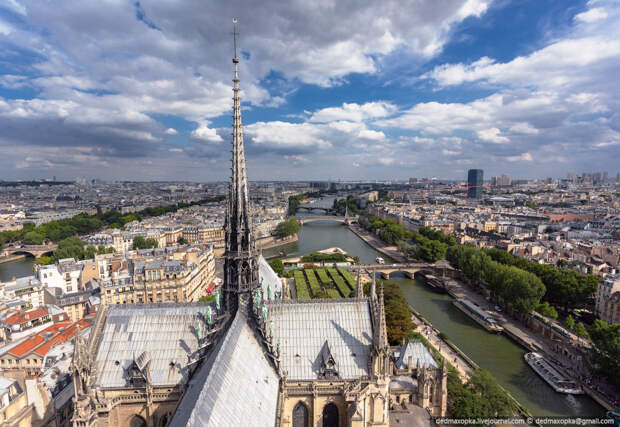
(377, 244)
(526, 338)
(274, 242)
(11, 258)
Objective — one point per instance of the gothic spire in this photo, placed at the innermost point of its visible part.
(359, 290)
(240, 264)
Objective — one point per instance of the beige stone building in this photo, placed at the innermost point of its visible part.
(211, 235)
(14, 408)
(150, 277)
(607, 303)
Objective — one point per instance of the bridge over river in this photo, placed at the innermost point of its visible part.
(36, 251)
(315, 218)
(408, 269)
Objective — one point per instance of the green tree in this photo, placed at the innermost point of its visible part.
(431, 250)
(44, 260)
(33, 238)
(606, 352)
(140, 242)
(71, 247)
(481, 397)
(580, 330)
(397, 313)
(277, 266)
(547, 310)
(569, 322)
(287, 228)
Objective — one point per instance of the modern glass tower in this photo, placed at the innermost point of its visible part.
(474, 183)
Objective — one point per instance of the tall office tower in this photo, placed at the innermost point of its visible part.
(474, 183)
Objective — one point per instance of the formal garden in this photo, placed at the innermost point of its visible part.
(313, 283)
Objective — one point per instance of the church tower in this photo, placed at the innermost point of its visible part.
(240, 258)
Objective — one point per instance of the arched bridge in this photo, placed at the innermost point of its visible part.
(408, 269)
(314, 209)
(36, 251)
(343, 219)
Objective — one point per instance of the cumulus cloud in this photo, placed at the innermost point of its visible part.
(592, 15)
(492, 135)
(354, 112)
(204, 133)
(172, 131)
(525, 157)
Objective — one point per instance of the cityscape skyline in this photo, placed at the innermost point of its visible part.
(524, 89)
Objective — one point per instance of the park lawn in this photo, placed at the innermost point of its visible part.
(349, 278)
(333, 293)
(344, 290)
(323, 276)
(314, 283)
(300, 285)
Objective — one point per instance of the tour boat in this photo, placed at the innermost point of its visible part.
(431, 281)
(379, 260)
(551, 375)
(482, 317)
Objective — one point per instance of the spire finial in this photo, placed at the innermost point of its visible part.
(235, 34)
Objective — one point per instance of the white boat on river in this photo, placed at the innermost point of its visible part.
(559, 382)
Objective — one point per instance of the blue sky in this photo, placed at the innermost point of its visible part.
(331, 89)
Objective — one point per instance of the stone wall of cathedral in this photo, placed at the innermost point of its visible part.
(311, 403)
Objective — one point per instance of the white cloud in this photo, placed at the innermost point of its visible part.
(524, 128)
(371, 134)
(492, 135)
(204, 133)
(172, 131)
(5, 28)
(287, 136)
(592, 15)
(525, 157)
(354, 112)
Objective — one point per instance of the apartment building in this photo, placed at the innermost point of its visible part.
(174, 274)
(607, 304)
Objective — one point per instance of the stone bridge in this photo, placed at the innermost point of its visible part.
(36, 251)
(343, 219)
(408, 269)
(315, 208)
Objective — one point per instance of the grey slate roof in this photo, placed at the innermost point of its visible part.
(417, 351)
(165, 331)
(236, 386)
(303, 328)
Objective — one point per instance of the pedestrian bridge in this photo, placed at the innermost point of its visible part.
(343, 219)
(36, 251)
